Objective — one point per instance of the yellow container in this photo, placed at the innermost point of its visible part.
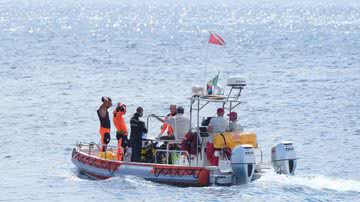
(107, 155)
(232, 139)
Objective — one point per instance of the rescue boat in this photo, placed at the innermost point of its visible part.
(240, 157)
(88, 160)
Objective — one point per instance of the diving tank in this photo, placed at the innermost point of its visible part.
(243, 163)
(283, 158)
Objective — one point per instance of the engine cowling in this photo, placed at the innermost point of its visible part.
(243, 163)
(283, 158)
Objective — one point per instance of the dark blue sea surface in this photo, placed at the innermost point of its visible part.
(57, 58)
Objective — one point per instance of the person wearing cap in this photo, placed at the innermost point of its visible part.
(179, 123)
(104, 119)
(234, 126)
(217, 125)
(121, 129)
(167, 127)
(137, 129)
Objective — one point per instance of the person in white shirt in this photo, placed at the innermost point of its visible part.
(179, 123)
(234, 126)
(217, 125)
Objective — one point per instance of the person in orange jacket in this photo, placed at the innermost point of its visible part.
(121, 129)
(167, 127)
(104, 119)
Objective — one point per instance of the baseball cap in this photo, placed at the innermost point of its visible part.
(220, 110)
(232, 116)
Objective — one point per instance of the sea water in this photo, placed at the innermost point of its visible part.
(57, 58)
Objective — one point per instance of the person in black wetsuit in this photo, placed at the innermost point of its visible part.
(137, 129)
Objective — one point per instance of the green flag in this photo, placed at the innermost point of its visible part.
(214, 81)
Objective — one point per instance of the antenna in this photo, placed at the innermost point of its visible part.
(237, 84)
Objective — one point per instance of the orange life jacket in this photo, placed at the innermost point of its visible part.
(119, 121)
(167, 127)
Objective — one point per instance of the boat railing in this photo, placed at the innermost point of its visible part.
(86, 147)
(89, 148)
(148, 120)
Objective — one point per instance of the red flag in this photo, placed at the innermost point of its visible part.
(216, 39)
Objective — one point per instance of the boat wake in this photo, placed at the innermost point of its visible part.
(314, 182)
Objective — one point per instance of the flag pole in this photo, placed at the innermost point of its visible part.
(206, 61)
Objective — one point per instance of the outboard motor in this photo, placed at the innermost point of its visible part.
(243, 163)
(283, 158)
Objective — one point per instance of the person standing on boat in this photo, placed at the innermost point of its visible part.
(121, 129)
(167, 127)
(179, 123)
(103, 115)
(137, 129)
(217, 125)
(234, 126)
